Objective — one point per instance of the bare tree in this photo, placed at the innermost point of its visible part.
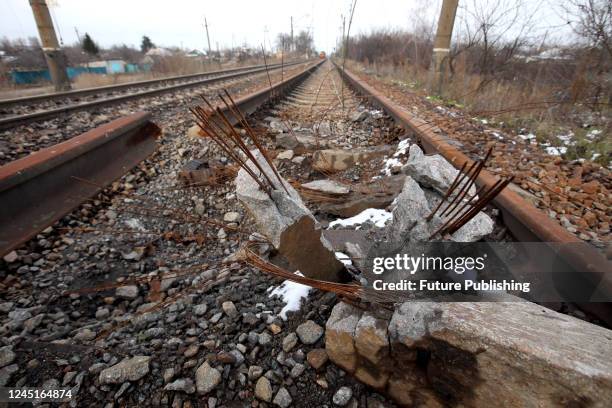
(493, 31)
(283, 42)
(592, 20)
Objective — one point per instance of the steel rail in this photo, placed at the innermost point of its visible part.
(525, 221)
(40, 189)
(4, 103)
(12, 121)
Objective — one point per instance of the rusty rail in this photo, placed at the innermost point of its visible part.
(12, 121)
(526, 222)
(40, 189)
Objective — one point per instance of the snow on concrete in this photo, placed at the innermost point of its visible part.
(376, 216)
(344, 258)
(292, 294)
(402, 149)
(389, 164)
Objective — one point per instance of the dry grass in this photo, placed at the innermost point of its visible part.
(95, 80)
(514, 105)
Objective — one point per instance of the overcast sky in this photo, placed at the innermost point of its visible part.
(181, 22)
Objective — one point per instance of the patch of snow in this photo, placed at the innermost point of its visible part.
(402, 147)
(135, 224)
(592, 134)
(389, 164)
(496, 135)
(556, 151)
(376, 113)
(292, 294)
(484, 121)
(595, 156)
(528, 136)
(376, 216)
(568, 140)
(344, 258)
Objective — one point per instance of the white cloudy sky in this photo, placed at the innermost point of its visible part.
(180, 22)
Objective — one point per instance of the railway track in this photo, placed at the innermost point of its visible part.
(324, 100)
(50, 172)
(22, 139)
(148, 223)
(20, 111)
(79, 94)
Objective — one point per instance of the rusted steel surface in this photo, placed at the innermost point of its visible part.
(526, 222)
(112, 88)
(11, 121)
(41, 188)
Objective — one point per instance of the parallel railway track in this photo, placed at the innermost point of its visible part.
(64, 102)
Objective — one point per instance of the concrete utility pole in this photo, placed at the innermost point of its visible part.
(292, 43)
(442, 42)
(50, 46)
(207, 36)
(76, 30)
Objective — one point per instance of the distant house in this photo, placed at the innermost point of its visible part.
(546, 55)
(4, 57)
(109, 66)
(158, 52)
(195, 54)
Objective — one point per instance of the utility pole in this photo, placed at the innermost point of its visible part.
(76, 30)
(50, 46)
(292, 43)
(207, 36)
(442, 42)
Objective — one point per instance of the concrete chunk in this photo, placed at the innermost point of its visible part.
(284, 219)
(339, 336)
(516, 341)
(371, 339)
(334, 160)
(327, 186)
(411, 206)
(432, 171)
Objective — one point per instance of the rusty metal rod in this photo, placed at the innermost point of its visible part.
(466, 187)
(450, 190)
(251, 133)
(481, 204)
